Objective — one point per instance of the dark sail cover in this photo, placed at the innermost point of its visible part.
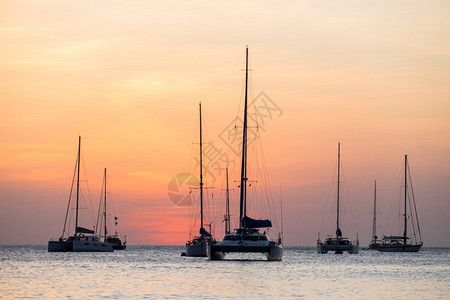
(84, 230)
(204, 232)
(251, 223)
(399, 237)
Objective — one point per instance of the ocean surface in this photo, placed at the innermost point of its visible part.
(161, 272)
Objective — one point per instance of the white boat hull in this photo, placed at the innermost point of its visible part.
(339, 246)
(91, 246)
(352, 249)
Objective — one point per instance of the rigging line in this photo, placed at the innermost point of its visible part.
(100, 206)
(194, 139)
(411, 206)
(90, 209)
(269, 197)
(70, 197)
(394, 199)
(239, 107)
(411, 216)
(259, 156)
(414, 201)
(325, 210)
(346, 189)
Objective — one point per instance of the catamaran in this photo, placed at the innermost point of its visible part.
(84, 239)
(246, 238)
(197, 246)
(338, 243)
(403, 243)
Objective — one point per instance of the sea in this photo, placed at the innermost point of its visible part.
(160, 272)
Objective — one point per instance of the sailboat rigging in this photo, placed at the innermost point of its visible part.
(400, 243)
(246, 238)
(374, 243)
(83, 240)
(112, 238)
(338, 243)
(197, 246)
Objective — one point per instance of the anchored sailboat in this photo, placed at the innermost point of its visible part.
(400, 243)
(375, 242)
(83, 240)
(112, 238)
(197, 246)
(338, 243)
(246, 238)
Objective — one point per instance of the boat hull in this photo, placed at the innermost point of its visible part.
(272, 251)
(196, 250)
(338, 245)
(116, 243)
(275, 252)
(119, 247)
(374, 245)
(399, 248)
(60, 246)
(91, 246)
(352, 249)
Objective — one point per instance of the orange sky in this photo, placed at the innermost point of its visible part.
(128, 75)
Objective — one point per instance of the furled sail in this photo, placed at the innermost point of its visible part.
(84, 230)
(204, 232)
(252, 223)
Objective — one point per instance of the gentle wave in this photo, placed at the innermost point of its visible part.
(161, 272)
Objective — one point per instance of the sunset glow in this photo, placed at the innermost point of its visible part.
(127, 76)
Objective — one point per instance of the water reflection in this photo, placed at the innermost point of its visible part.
(160, 272)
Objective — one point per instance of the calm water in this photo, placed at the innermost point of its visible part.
(160, 272)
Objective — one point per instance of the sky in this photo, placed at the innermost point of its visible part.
(127, 76)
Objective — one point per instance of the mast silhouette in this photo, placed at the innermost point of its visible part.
(201, 170)
(78, 184)
(374, 224)
(338, 231)
(406, 194)
(243, 193)
(104, 212)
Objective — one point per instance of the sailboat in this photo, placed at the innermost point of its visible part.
(227, 217)
(84, 239)
(197, 246)
(246, 238)
(338, 244)
(113, 238)
(400, 243)
(375, 242)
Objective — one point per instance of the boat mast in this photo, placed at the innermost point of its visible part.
(201, 169)
(104, 212)
(227, 210)
(338, 231)
(406, 193)
(78, 184)
(374, 228)
(243, 193)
